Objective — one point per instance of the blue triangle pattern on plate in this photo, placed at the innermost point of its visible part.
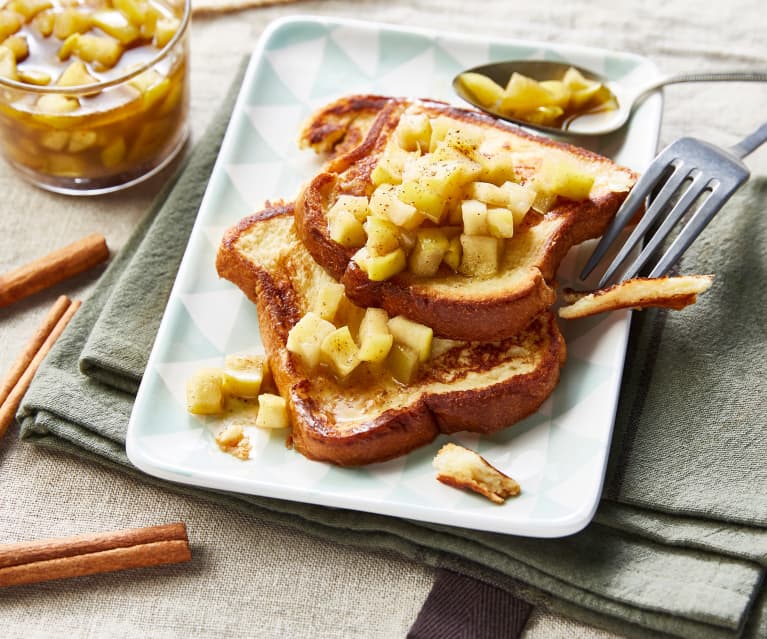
(399, 48)
(295, 33)
(271, 89)
(578, 380)
(189, 344)
(346, 73)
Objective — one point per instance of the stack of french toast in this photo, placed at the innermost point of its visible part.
(408, 289)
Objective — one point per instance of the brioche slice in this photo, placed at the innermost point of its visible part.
(369, 417)
(463, 468)
(456, 306)
(641, 292)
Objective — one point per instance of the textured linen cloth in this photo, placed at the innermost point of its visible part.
(679, 545)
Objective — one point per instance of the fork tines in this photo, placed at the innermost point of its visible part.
(687, 172)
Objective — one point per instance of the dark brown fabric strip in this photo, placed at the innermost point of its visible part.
(459, 607)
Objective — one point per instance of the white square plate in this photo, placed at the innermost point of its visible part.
(558, 455)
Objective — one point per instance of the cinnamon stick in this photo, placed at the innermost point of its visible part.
(10, 405)
(48, 559)
(24, 359)
(53, 268)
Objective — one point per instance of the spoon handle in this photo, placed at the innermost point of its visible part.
(721, 76)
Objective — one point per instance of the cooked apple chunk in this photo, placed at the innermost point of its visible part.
(305, 339)
(272, 412)
(204, 392)
(340, 351)
(415, 336)
(243, 375)
(374, 336)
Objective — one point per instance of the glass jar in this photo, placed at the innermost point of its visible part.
(106, 135)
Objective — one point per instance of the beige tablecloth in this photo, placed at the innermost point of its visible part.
(250, 578)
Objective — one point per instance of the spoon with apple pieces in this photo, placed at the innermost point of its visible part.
(564, 99)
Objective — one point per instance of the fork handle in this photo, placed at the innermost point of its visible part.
(750, 143)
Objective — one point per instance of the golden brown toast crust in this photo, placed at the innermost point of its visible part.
(481, 315)
(474, 387)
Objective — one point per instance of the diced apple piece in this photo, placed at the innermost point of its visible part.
(439, 128)
(56, 104)
(500, 222)
(357, 205)
(414, 132)
(17, 44)
(340, 351)
(135, 10)
(54, 140)
(76, 74)
(431, 246)
(415, 336)
(453, 254)
(562, 177)
(464, 139)
(439, 183)
(524, 94)
(70, 21)
(383, 267)
(488, 193)
(374, 336)
(116, 24)
(384, 203)
(164, 31)
(29, 8)
(520, 199)
(8, 64)
(474, 217)
(31, 76)
(480, 255)
(102, 51)
(560, 92)
(329, 300)
(204, 392)
(346, 229)
(82, 141)
(426, 201)
(574, 80)
(544, 201)
(272, 412)
(445, 151)
(45, 22)
(305, 339)
(403, 363)
(497, 168)
(382, 236)
(114, 152)
(10, 23)
(486, 91)
(243, 375)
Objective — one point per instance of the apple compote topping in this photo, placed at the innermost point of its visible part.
(446, 199)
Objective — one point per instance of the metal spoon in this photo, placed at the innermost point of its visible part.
(598, 123)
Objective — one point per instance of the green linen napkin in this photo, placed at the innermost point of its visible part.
(679, 544)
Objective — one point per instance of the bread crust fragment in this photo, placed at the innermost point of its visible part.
(479, 387)
(454, 306)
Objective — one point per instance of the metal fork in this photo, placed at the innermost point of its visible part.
(687, 171)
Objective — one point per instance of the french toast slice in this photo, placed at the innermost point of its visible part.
(454, 305)
(369, 417)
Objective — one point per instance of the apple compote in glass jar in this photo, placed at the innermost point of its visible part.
(94, 94)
